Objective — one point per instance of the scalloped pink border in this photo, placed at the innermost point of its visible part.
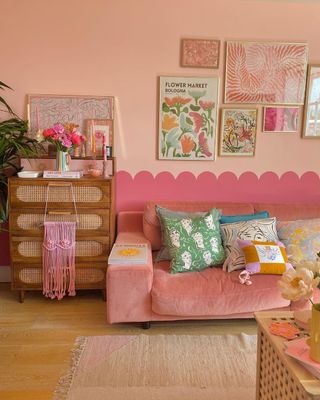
(134, 191)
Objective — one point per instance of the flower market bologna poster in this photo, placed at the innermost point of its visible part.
(187, 118)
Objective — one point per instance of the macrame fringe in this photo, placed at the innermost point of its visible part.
(64, 383)
(58, 259)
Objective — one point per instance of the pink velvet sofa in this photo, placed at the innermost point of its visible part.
(146, 293)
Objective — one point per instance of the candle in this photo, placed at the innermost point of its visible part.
(28, 114)
(93, 140)
(37, 116)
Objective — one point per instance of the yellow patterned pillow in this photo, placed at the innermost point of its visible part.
(264, 257)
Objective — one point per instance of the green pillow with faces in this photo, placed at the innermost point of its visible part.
(194, 243)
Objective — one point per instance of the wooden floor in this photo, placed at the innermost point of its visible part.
(36, 337)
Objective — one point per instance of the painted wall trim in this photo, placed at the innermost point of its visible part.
(134, 191)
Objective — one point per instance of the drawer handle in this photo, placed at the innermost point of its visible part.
(59, 212)
(58, 184)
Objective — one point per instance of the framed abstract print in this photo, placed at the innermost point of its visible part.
(238, 132)
(280, 119)
(200, 53)
(311, 120)
(265, 72)
(46, 110)
(187, 118)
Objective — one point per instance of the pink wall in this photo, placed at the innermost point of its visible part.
(121, 47)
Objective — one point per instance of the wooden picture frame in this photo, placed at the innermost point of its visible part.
(238, 131)
(99, 131)
(44, 110)
(200, 53)
(280, 119)
(311, 117)
(187, 118)
(270, 73)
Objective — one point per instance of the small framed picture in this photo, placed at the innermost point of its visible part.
(280, 119)
(99, 132)
(238, 131)
(200, 53)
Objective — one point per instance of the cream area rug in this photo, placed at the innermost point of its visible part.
(161, 367)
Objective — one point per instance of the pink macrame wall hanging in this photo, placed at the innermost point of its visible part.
(58, 256)
(58, 259)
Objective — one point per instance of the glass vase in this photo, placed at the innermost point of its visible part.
(314, 341)
(62, 161)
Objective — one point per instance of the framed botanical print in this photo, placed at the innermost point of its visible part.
(187, 118)
(280, 119)
(238, 131)
(265, 72)
(311, 119)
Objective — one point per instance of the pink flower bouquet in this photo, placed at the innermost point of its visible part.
(64, 136)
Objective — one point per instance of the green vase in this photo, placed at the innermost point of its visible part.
(62, 161)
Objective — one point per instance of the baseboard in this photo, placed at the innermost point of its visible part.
(5, 273)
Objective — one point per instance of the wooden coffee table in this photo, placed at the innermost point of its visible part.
(279, 377)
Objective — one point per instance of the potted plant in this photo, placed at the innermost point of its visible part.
(14, 142)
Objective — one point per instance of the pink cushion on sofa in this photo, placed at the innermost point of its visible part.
(289, 212)
(151, 226)
(212, 292)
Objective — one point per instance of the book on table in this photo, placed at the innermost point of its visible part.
(299, 350)
(128, 254)
(63, 174)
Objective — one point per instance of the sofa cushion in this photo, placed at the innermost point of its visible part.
(264, 257)
(212, 292)
(151, 224)
(301, 238)
(163, 213)
(228, 219)
(194, 243)
(289, 212)
(263, 230)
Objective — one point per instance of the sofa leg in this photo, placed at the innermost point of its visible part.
(146, 325)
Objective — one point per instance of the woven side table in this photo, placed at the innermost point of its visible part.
(279, 377)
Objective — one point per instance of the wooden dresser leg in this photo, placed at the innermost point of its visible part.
(21, 296)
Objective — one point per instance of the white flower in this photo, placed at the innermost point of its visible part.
(298, 284)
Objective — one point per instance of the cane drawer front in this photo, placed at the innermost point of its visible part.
(88, 275)
(29, 249)
(29, 222)
(32, 193)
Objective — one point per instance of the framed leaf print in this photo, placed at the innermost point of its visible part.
(238, 131)
(187, 118)
(265, 72)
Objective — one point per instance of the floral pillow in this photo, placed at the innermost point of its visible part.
(163, 253)
(194, 243)
(301, 238)
(262, 230)
(264, 257)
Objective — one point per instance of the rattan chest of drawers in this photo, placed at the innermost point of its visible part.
(95, 230)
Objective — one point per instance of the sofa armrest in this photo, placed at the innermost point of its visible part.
(130, 221)
(129, 286)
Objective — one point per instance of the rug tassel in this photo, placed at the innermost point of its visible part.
(64, 383)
